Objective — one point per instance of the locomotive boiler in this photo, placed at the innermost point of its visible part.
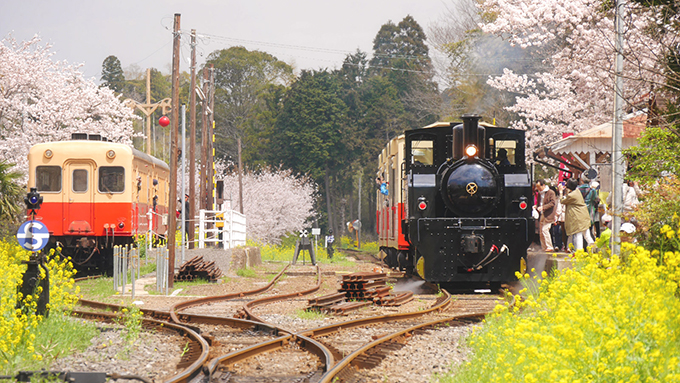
(458, 203)
(97, 194)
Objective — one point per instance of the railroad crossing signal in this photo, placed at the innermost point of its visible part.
(33, 235)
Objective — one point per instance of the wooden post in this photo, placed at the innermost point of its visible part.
(192, 145)
(211, 143)
(172, 203)
(204, 143)
(148, 116)
(240, 181)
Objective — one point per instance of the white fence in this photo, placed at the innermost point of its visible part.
(226, 228)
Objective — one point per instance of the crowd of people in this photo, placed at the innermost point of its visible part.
(572, 213)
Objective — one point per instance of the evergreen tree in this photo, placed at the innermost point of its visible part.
(242, 81)
(112, 74)
(311, 135)
(402, 57)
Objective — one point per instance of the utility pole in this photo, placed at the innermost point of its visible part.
(192, 145)
(240, 180)
(211, 143)
(149, 108)
(361, 175)
(172, 208)
(204, 142)
(617, 135)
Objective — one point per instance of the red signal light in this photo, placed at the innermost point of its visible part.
(164, 121)
(523, 205)
(422, 205)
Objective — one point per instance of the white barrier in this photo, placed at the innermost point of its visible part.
(233, 230)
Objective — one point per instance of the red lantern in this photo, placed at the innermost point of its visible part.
(164, 121)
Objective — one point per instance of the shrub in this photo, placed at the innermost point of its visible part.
(611, 318)
(19, 327)
(656, 210)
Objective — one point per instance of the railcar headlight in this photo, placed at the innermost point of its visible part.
(48, 153)
(471, 151)
(111, 154)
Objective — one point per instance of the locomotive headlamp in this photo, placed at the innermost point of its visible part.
(422, 203)
(111, 154)
(471, 151)
(48, 153)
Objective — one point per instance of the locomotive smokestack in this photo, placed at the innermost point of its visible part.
(473, 134)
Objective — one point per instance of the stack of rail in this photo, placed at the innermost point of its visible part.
(334, 304)
(197, 268)
(373, 287)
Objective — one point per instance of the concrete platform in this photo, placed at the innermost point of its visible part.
(558, 261)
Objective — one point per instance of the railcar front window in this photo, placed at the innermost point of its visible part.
(48, 178)
(80, 180)
(422, 152)
(111, 179)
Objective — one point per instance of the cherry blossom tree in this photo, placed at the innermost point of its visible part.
(575, 39)
(43, 100)
(275, 201)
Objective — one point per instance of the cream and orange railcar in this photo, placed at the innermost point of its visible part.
(390, 197)
(97, 194)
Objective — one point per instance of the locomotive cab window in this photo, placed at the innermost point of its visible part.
(79, 180)
(111, 179)
(422, 152)
(505, 153)
(48, 178)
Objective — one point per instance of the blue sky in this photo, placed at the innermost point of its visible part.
(312, 34)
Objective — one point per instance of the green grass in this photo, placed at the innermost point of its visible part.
(56, 336)
(309, 314)
(98, 288)
(246, 273)
(286, 250)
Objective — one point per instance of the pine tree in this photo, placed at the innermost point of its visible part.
(112, 74)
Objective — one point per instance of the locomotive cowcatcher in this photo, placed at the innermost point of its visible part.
(456, 203)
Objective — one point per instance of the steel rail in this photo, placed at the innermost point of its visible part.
(250, 305)
(200, 301)
(313, 346)
(325, 330)
(331, 374)
(190, 371)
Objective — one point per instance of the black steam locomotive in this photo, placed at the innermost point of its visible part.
(466, 204)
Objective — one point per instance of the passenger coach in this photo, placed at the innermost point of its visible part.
(97, 194)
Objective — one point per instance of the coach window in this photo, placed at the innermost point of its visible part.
(422, 152)
(506, 149)
(111, 179)
(48, 178)
(80, 180)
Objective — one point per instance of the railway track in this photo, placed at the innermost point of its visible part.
(247, 349)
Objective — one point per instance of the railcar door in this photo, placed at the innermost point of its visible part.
(78, 197)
